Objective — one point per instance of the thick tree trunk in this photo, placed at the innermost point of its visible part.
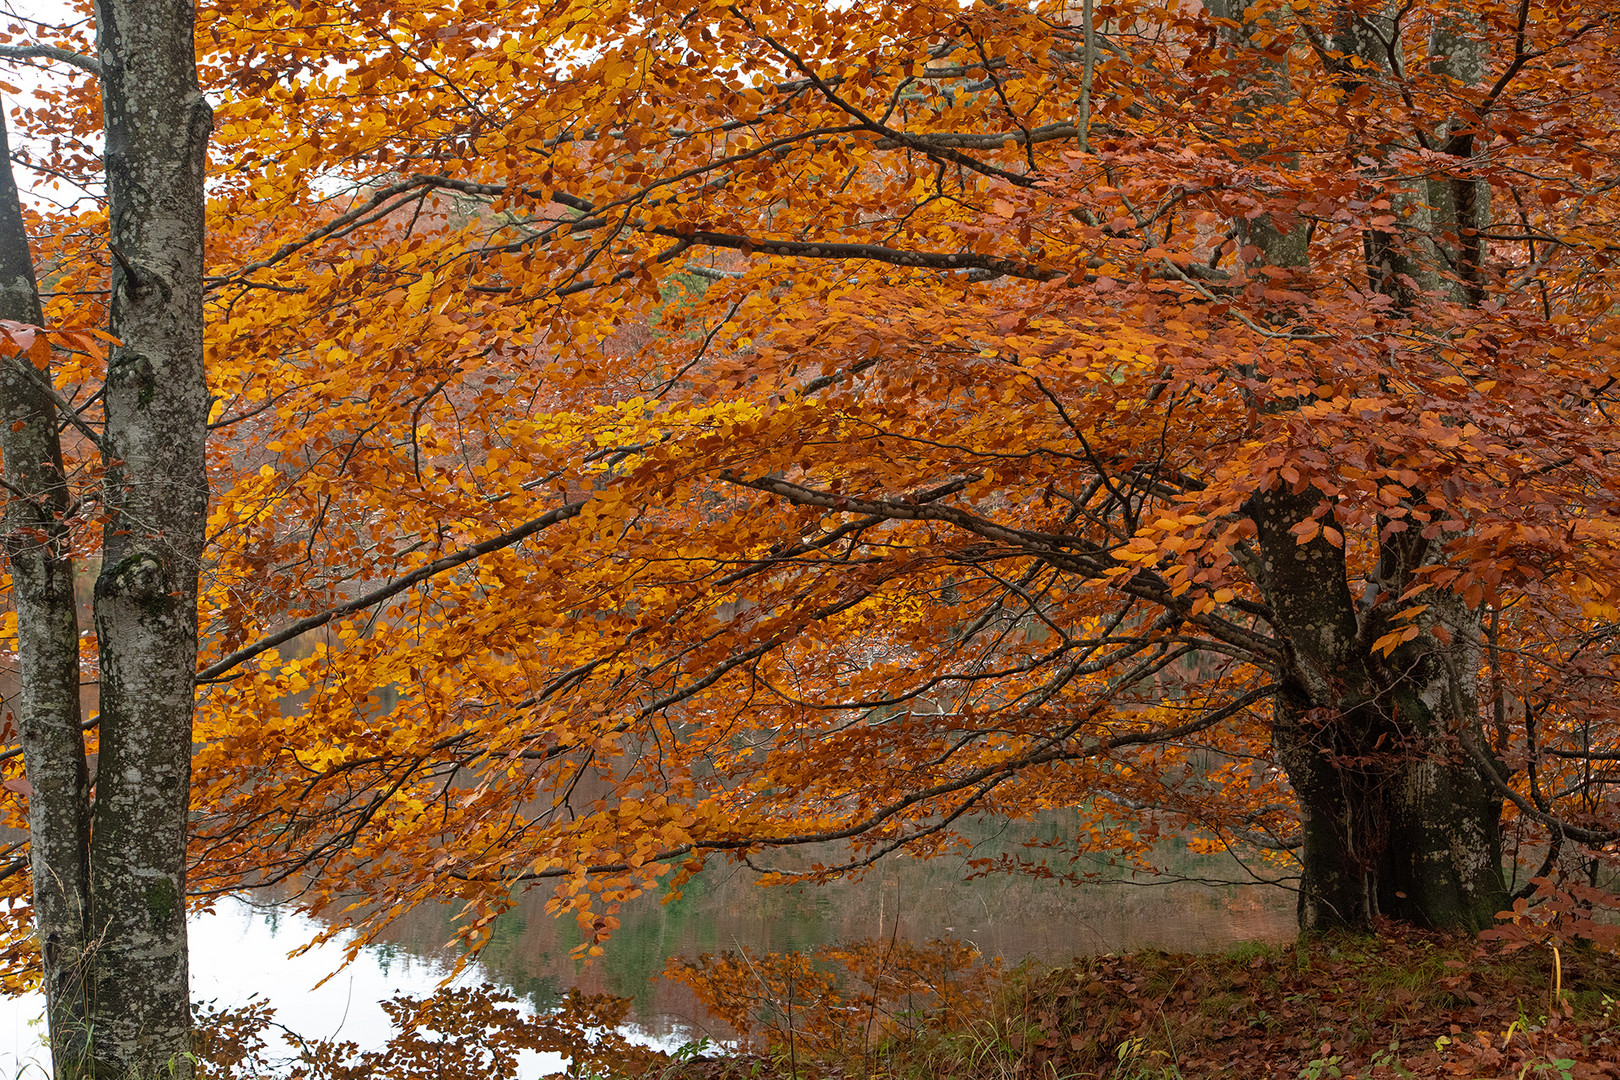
(109, 877)
(1397, 819)
(38, 550)
(1409, 834)
(157, 127)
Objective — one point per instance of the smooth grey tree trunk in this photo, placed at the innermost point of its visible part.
(108, 864)
(1397, 819)
(37, 547)
(156, 496)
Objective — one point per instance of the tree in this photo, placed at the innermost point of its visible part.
(109, 875)
(648, 432)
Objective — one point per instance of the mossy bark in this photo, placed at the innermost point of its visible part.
(40, 559)
(109, 874)
(1398, 820)
(156, 497)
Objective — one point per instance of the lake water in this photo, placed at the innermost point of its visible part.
(240, 950)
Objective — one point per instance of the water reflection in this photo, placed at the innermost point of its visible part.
(1013, 918)
(240, 950)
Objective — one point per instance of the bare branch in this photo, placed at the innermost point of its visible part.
(52, 52)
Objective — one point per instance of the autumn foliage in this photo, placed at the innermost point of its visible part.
(842, 1001)
(653, 432)
(1408, 1004)
(454, 1032)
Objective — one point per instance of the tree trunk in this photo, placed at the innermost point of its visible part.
(109, 876)
(38, 548)
(1409, 834)
(156, 496)
(1397, 819)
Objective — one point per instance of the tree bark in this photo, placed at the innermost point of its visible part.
(1398, 821)
(157, 127)
(39, 551)
(109, 875)
(1403, 827)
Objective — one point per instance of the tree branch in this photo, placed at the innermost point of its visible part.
(213, 671)
(52, 52)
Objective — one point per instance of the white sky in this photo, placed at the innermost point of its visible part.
(35, 187)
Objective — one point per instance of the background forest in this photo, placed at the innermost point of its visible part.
(561, 445)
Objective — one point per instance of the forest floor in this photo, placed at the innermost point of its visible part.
(1399, 1004)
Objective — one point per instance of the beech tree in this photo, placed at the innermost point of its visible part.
(653, 432)
(109, 875)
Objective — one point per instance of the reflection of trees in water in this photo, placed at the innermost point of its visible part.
(1011, 916)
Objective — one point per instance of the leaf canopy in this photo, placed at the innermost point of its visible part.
(687, 430)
